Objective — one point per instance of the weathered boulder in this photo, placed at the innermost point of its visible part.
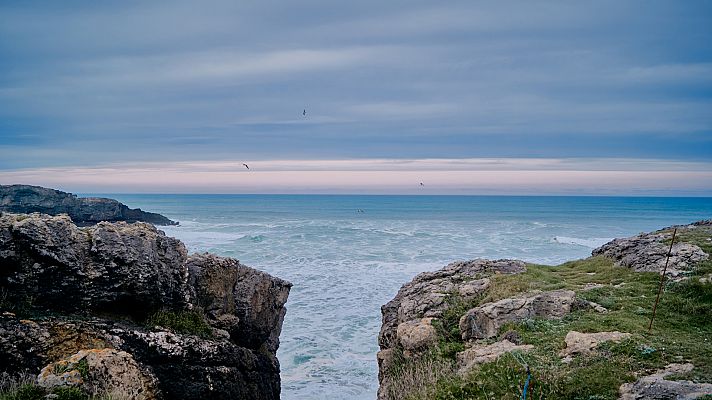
(416, 335)
(647, 252)
(99, 372)
(99, 283)
(584, 343)
(27, 199)
(479, 354)
(655, 386)
(484, 321)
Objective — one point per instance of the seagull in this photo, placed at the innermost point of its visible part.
(246, 166)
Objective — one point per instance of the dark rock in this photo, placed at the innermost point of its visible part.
(27, 199)
(98, 283)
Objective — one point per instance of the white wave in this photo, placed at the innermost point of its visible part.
(591, 243)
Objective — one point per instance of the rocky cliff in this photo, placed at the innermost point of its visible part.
(479, 329)
(122, 308)
(83, 211)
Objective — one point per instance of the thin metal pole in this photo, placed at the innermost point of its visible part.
(662, 280)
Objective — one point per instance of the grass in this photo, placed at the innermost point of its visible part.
(185, 322)
(682, 332)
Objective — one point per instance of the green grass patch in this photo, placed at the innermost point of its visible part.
(185, 322)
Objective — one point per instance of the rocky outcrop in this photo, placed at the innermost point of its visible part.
(484, 321)
(479, 354)
(84, 211)
(407, 319)
(89, 290)
(647, 252)
(426, 294)
(655, 386)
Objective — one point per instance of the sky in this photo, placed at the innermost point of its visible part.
(553, 97)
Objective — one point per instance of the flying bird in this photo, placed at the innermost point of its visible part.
(304, 113)
(421, 184)
(246, 166)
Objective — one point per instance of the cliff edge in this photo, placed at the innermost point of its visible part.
(121, 310)
(506, 329)
(27, 199)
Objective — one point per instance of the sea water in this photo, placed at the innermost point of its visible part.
(348, 255)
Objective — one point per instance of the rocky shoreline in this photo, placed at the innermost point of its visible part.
(121, 309)
(25, 199)
(447, 333)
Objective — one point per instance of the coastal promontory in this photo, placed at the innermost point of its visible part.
(120, 310)
(507, 329)
(83, 210)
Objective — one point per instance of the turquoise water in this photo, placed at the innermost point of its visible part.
(345, 264)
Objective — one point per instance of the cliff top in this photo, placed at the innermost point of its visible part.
(471, 330)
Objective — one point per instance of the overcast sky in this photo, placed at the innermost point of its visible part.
(87, 85)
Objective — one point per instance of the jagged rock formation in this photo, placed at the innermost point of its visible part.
(484, 321)
(655, 386)
(27, 199)
(406, 320)
(90, 289)
(648, 251)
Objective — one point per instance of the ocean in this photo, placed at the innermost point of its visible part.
(348, 255)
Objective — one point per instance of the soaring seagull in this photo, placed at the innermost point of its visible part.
(246, 166)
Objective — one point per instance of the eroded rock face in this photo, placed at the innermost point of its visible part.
(105, 267)
(85, 211)
(128, 271)
(479, 354)
(647, 252)
(247, 303)
(655, 386)
(484, 321)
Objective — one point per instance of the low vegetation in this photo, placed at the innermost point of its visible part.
(682, 332)
(185, 322)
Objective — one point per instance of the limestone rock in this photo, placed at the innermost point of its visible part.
(480, 354)
(98, 372)
(655, 386)
(416, 335)
(247, 303)
(129, 271)
(583, 343)
(105, 267)
(424, 298)
(425, 295)
(27, 199)
(484, 321)
(647, 251)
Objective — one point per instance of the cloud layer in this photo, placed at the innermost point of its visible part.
(86, 83)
